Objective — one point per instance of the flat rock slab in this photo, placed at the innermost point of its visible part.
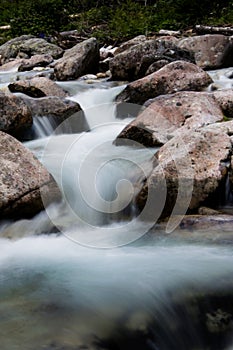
(37, 87)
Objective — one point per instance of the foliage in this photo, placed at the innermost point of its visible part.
(39, 17)
(111, 20)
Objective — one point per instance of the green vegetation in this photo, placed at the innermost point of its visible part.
(110, 21)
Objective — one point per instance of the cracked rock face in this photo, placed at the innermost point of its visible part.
(22, 178)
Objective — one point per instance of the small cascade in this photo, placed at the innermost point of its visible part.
(64, 290)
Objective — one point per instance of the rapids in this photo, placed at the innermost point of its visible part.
(62, 289)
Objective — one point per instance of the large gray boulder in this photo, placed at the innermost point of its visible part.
(133, 63)
(175, 76)
(188, 169)
(15, 115)
(211, 51)
(37, 87)
(27, 46)
(158, 123)
(81, 59)
(22, 178)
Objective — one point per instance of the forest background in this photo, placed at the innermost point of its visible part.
(111, 21)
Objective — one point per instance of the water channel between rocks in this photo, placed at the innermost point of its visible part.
(148, 291)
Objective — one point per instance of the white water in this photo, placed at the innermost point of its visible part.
(58, 293)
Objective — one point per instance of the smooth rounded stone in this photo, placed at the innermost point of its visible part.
(191, 166)
(210, 51)
(35, 61)
(81, 59)
(175, 76)
(15, 115)
(37, 87)
(88, 77)
(225, 100)
(158, 123)
(22, 178)
(133, 63)
(28, 46)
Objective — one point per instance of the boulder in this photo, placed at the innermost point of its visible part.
(175, 76)
(15, 115)
(188, 170)
(210, 51)
(225, 100)
(37, 87)
(26, 46)
(54, 115)
(132, 42)
(133, 63)
(22, 178)
(52, 106)
(81, 59)
(158, 122)
(35, 61)
(11, 65)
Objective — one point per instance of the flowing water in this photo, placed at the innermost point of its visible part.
(62, 289)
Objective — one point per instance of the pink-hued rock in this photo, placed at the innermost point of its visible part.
(22, 178)
(175, 76)
(211, 51)
(15, 115)
(158, 123)
(193, 163)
